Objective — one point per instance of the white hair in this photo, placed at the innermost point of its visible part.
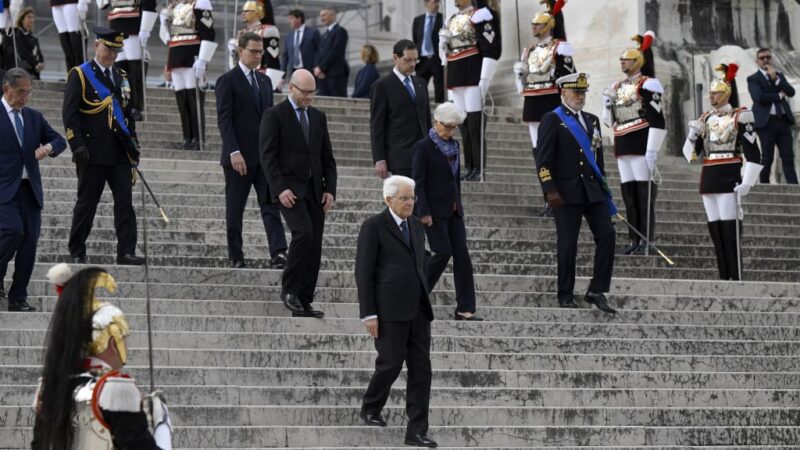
(392, 184)
(449, 114)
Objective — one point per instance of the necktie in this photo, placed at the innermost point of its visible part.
(254, 87)
(107, 73)
(18, 125)
(296, 55)
(410, 89)
(406, 234)
(427, 42)
(304, 124)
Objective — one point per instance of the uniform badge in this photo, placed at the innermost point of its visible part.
(274, 51)
(489, 35)
(487, 27)
(749, 134)
(657, 96)
(70, 133)
(597, 141)
(568, 60)
(544, 175)
(207, 20)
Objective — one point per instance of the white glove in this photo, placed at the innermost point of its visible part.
(651, 156)
(484, 85)
(444, 44)
(143, 37)
(83, 8)
(695, 130)
(163, 30)
(159, 421)
(232, 45)
(518, 67)
(607, 117)
(481, 15)
(742, 190)
(199, 67)
(607, 101)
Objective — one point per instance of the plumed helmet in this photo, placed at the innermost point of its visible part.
(726, 82)
(642, 54)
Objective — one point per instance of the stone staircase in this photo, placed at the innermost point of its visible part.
(688, 362)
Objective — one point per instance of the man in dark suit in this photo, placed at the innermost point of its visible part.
(332, 69)
(575, 187)
(300, 45)
(297, 157)
(425, 32)
(395, 308)
(103, 150)
(400, 113)
(243, 94)
(27, 138)
(773, 115)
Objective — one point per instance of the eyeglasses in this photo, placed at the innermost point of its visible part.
(404, 198)
(448, 127)
(24, 92)
(255, 51)
(302, 91)
(765, 57)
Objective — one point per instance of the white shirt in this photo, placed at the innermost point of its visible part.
(298, 38)
(398, 221)
(403, 80)
(577, 113)
(10, 112)
(330, 27)
(777, 82)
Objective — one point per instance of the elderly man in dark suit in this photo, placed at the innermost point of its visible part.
(569, 159)
(297, 157)
(395, 308)
(773, 115)
(425, 32)
(332, 69)
(27, 138)
(300, 44)
(243, 94)
(400, 113)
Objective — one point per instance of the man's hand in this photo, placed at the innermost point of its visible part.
(427, 221)
(319, 73)
(199, 67)
(80, 155)
(82, 8)
(327, 202)
(742, 190)
(287, 198)
(372, 327)
(40, 67)
(237, 161)
(42, 152)
(380, 169)
(650, 157)
(773, 74)
(554, 199)
(695, 129)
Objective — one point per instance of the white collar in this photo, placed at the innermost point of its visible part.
(572, 110)
(330, 27)
(396, 218)
(724, 109)
(401, 76)
(102, 67)
(246, 70)
(301, 29)
(428, 14)
(9, 109)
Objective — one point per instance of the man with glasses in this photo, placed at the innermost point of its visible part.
(425, 32)
(27, 139)
(400, 113)
(773, 115)
(243, 94)
(297, 157)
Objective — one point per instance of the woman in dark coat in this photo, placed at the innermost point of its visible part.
(28, 50)
(436, 170)
(368, 74)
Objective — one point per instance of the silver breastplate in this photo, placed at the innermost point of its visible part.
(720, 132)
(538, 67)
(90, 434)
(462, 32)
(628, 105)
(181, 20)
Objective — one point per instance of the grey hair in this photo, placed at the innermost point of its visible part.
(14, 75)
(392, 184)
(449, 114)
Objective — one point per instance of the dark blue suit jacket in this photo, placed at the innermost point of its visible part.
(239, 116)
(332, 56)
(365, 78)
(309, 46)
(765, 93)
(13, 157)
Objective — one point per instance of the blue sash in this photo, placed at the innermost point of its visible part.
(104, 93)
(582, 137)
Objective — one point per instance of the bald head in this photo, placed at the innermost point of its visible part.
(301, 87)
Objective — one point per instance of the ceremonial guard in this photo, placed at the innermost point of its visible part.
(8, 16)
(102, 135)
(633, 110)
(459, 47)
(70, 19)
(720, 137)
(84, 401)
(254, 19)
(136, 19)
(187, 27)
(570, 164)
(547, 59)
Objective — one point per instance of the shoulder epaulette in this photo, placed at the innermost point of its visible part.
(564, 48)
(653, 85)
(117, 393)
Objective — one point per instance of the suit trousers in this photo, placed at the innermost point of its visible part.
(447, 238)
(778, 131)
(332, 86)
(430, 67)
(237, 189)
(306, 221)
(568, 225)
(403, 172)
(91, 182)
(19, 234)
(398, 342)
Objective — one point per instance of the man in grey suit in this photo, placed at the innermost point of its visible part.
(395, 308)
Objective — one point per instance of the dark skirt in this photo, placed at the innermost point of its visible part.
(536, 106)
(464, 72)
(633, 143)
(721, 178)
(182, 56)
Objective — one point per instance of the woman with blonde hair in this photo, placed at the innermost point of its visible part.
(368, 74)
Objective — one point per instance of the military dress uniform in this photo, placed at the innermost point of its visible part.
(187, 27)
(270, 60)
(563, 169)
(69, 17)
(102, 136)
(8, 16)
(634, 111)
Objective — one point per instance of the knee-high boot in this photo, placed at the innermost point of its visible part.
(715, 230)
(183, 110)
(474, 131)
(642, 200)
(76, 42)
(466, 147)
(137, 85)
(629, 192)
(197, 128)
(728, 232)
(66, 47)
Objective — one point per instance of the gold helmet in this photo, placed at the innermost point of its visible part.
(726, 77)
(254, 6)
(637, 54)
(548, 17)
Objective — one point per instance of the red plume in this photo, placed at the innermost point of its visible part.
(647, 40)
(730, 74)
(557, 7)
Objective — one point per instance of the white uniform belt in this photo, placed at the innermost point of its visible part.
(713, 156)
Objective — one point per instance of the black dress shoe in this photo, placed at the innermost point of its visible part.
(292, 303)
(2, 290)
(21, 307)
(473, 317)
(641, 249)
(547, 211)
(184, 144)
(279, 261)
(130, 260)
(308, 311)
(137, 115)
(79, 260)
(420, 440)
(567, 302)
(475, 176)
(238, 264)
(631, 247)
(600, 301)
(194, 144)
(468, 173)
(373, 419)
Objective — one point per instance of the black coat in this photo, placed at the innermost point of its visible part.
(29, 51)
(397, 121)
(765, 93)
(390, 275)
(332, 54)
(239, 114)
(562, 165)
(418, 30)
(436, 186)
(287, 158)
